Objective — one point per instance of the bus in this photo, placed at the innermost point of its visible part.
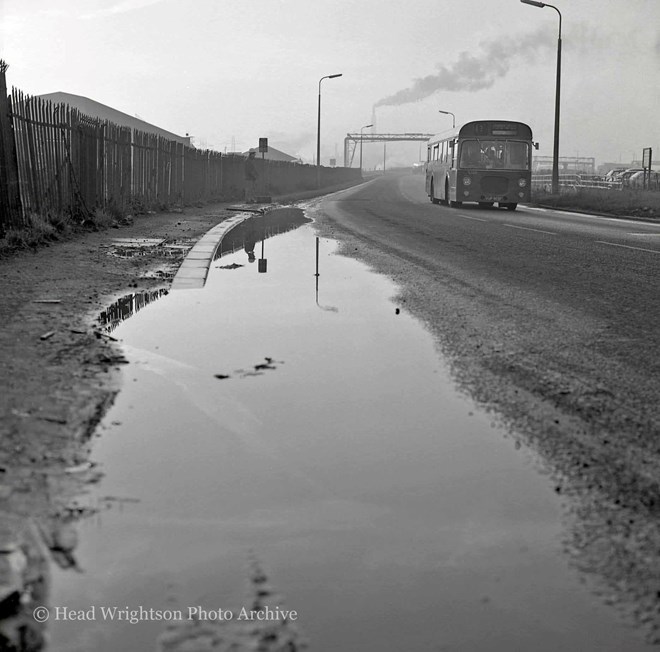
(485, 161)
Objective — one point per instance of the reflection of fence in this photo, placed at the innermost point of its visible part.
(67, 164)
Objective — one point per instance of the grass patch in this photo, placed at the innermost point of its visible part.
(100, 220)
(38, 232)
(638, 203)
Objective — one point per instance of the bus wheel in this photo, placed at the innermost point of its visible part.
(432, 196)
(455, 204)
(486, 204)
(511, 206)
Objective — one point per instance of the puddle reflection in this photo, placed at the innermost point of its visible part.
(390, 513)
(259, 228)
(126, 307)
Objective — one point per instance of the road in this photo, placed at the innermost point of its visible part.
(550, 319)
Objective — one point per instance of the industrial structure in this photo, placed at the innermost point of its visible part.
(352, 142)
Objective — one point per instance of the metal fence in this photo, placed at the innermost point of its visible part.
(56, 162)
(578, 181)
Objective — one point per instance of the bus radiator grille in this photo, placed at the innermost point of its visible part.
(492, 185)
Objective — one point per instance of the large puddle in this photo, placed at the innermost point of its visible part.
(314, 428)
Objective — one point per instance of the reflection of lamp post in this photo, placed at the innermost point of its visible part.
(318, 133)
(555, 149)
(453, 117)
(361, 128)
(263, 263)
(328, 308)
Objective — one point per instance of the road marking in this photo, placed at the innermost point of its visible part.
(589, 215)
(469, 217)
(616, 244)
(527, 228)
(648, 235)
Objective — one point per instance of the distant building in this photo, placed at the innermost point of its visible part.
(274, 155)
(103, 112)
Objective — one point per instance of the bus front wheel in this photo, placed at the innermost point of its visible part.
(510, 206)
(455, 204)
(432, 196)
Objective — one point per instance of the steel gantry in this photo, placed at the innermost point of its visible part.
(352, 141)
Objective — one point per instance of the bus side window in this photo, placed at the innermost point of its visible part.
(444, 151)
(452, 144)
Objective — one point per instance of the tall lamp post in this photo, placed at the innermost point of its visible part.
(555, 151)
(318, 132)
(361, 128)
(453, 117)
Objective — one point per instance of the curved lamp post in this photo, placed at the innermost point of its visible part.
(361, 128)
(318, 132)
(555, 151)
(453, 117)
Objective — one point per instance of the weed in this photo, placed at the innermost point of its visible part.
(40, 230)
(100, 220)
(602, 200)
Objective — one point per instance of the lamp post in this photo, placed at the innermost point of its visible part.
(555, 150)
(361, 128)
(453, 117)
(318, 132)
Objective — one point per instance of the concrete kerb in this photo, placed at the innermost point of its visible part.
(194, 269)
(193, 272)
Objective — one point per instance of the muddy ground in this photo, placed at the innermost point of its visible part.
(59, 374)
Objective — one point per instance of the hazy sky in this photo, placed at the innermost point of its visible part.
(230, 71)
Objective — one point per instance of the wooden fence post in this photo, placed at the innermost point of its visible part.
(11, 211)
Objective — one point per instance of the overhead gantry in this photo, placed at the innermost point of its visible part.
(352, 141)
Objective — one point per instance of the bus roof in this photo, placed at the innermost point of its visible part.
(485, 128)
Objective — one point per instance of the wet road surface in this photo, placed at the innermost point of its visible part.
(321, 432)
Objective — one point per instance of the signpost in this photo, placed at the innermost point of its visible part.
(263, 148)
(647, 155)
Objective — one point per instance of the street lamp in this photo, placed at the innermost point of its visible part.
(453, 117)
(361, 128)
(318, 133)
(555, 151)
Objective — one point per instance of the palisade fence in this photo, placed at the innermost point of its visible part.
(57, 163)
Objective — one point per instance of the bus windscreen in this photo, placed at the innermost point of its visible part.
(488, 154)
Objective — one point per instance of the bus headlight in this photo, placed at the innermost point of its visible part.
(522, 182)
(467, 181)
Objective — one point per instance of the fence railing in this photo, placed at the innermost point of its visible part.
(68, 164)
(576, 181)
(568, 181)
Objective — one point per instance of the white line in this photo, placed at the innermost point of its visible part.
(597, 217)
(648, 235)
(535, 208)
(526, 228)
(469, 217)
(616, 244)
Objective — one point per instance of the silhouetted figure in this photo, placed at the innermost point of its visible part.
(249, 243)
(250, 178)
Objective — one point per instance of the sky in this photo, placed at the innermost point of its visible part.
(231, 71)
